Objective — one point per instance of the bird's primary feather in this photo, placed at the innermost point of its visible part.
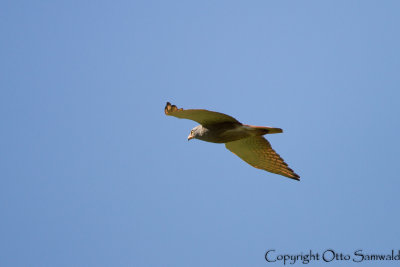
(257, 152)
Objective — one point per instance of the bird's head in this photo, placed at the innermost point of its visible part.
(195, 132)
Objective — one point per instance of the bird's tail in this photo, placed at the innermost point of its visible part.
(261, 130)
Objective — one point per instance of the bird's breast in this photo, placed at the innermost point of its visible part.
(224, 133)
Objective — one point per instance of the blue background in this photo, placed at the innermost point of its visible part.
(94, 174)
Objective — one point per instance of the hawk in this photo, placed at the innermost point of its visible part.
(245, 141)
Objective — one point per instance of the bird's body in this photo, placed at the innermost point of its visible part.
(246, 141)
(229, 132)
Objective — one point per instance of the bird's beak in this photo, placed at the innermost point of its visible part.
(190, 137)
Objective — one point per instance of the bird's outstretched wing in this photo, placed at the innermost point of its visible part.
(202, 116)
(257, 152)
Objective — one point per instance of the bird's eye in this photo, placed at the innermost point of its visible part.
(191, 132)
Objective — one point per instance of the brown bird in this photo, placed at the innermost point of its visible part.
(245, 141)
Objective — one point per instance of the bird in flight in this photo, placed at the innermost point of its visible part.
(245, 141)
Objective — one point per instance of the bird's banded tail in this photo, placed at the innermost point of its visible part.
(261, 130)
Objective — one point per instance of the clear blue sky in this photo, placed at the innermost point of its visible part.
(94, 174)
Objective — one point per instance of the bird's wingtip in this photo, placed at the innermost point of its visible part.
(296, 177)
(169, 108)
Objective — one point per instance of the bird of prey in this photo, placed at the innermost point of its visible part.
(245, 141)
